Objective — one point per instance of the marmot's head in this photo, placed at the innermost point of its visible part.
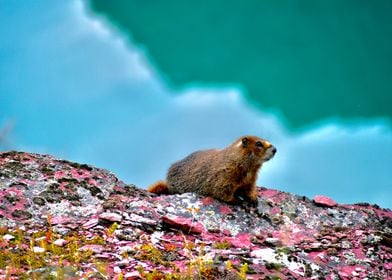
(259, 149)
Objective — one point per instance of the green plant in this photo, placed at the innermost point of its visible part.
(23, 254)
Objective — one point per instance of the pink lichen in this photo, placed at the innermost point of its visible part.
(185, 224)
(241, 240)
(324, 201)
(224, 210)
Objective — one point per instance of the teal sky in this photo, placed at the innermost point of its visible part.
(310, 59)
(75, 85)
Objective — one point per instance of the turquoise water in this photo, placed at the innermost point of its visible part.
(75, 85)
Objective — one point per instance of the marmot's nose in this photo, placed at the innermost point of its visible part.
(273, 150)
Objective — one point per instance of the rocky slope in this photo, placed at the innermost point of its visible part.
(60, 219)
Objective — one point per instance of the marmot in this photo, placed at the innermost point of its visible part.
(225, 174)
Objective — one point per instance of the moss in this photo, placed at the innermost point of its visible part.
(151, 253)
(222, 245)
(284, 250)
(272, 277)
(35, 256)
(273, 266)
(21, 214)
(11, 199)
(39, 200)
(45, 169)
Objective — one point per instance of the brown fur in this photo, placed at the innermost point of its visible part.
(159, 187)
(223, 174)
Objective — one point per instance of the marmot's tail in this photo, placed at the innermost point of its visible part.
(159, 187)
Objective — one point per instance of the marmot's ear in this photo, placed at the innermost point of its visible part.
(245, 142)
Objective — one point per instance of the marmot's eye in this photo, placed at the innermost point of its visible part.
(245, 142)
(259, 144)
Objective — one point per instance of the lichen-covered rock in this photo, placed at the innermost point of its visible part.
(63, 219)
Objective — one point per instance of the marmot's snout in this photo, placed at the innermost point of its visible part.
(269, 153)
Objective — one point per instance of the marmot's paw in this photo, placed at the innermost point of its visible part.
(253, 202)
(252, 199)
(233, 201)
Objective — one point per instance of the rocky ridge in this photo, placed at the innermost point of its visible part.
(67, 220)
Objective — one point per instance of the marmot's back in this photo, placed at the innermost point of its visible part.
(193, 173)
(222, 174)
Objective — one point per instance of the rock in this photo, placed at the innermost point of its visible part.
(272, 241)
(113, 217)
(8, 237)
(37, 249)
(60, 242)
(106, 229)
(324, 201)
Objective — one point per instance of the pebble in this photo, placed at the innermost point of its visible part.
(8, 237)
(60, 242)
(37, 249)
